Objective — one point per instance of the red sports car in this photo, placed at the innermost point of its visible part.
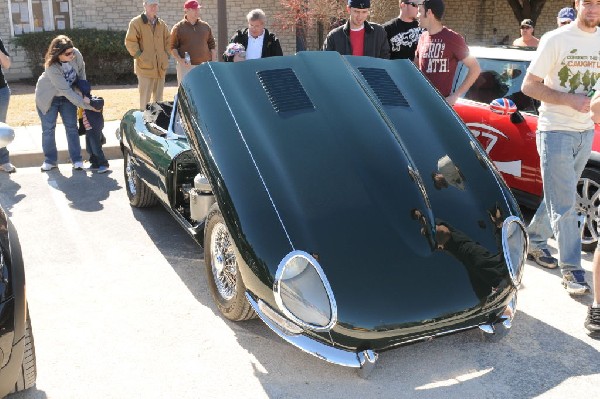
(509, 139)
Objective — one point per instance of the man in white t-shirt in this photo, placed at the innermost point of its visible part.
(566, 65)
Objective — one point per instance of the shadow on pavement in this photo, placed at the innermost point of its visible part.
(85, 191)
(533, 359)
(8, 192)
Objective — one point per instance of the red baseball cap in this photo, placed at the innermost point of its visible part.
(192, 4)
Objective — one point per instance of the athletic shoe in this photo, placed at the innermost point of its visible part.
(574, 282)
(103, 169)
(47, 166)
(91, 168)
(8, 167)
(543, 258)
(78, 165)
(592, 321)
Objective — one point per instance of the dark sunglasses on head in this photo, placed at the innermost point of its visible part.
(411, 3)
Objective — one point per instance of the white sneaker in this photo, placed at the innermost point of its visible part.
(8, 167)
(47, 166)
(78, 165)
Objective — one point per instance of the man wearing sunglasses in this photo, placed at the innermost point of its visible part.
(358, 36)
(403, 32)
(440, 49)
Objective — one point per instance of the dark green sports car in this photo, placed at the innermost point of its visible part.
(338, 198)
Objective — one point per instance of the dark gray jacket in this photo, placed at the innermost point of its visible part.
(376, 41)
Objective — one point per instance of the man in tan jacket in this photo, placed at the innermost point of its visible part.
(147, 40)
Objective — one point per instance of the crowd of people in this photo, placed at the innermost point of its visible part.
(566, 116)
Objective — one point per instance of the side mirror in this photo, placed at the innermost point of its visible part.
(517, 118)
(503, 106)
(7, 134)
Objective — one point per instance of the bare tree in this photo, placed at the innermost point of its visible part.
(304, 15)
(527, 8)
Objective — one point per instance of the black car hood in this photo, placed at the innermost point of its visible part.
(360, 162)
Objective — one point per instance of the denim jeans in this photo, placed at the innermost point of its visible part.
(4, 99)
(68, 114)
(563, 155)
(93, 146)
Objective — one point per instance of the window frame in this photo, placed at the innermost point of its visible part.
(31, 17)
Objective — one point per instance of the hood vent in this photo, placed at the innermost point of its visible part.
(284, 90)
(384, 87)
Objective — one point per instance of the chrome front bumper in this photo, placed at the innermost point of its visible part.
(363, 361)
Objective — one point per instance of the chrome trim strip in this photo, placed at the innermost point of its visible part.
(328, 290)
(328, 353)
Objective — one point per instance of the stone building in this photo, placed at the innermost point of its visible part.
(475, 19)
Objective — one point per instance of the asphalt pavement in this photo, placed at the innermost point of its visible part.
(26, 149)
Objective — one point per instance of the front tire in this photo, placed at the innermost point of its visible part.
(588, 203)
(28, 374)
(140, 196)
(222, 261)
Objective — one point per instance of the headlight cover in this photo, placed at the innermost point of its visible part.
(303, 293)
(514, 245)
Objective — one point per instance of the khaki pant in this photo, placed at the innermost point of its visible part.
(150, 87)
(182, 70)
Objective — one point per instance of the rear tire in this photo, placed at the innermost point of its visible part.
(588, 203)
(140, 196)
(222, 261)
(28, 374)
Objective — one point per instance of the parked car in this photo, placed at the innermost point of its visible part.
(17, 350)
(509, 139)
(330, 203)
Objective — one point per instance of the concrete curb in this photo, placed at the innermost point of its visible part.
(26, 149)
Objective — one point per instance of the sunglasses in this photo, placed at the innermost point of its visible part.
(410, 3)
(68, 53)
(526, 27)
(565, 23)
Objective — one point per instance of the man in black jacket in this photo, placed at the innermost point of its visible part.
(357, 36)
(258, 41)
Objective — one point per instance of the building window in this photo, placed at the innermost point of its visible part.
(39, 15)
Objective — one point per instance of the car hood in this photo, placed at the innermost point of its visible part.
(359, 162)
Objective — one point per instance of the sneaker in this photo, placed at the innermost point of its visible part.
(78, 165)
(47, 166)
(574, 282)
(543, 258)
(91, 168)
(103, 169)
(592, 321)
(8, 167)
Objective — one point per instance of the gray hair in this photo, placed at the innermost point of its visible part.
(257, 15)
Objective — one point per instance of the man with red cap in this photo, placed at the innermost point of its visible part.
(192, 41)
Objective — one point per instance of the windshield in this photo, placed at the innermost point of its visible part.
(500, 78)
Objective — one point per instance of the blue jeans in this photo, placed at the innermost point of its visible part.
(68, 114)
(93, 146)
(563, 155)
(4, 99)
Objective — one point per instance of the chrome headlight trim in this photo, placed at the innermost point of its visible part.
(520, 242)
(277, 290)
